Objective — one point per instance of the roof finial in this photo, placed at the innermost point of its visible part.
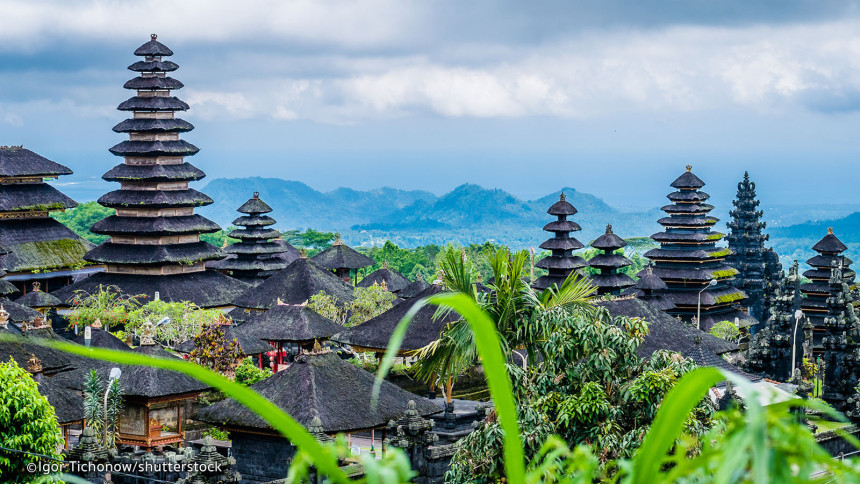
(153, 36)
(4, 317)
(337, 239)
(280, 302)
(689, 168)
(385, 264)
(608, 228)
(561, 197)
(36, 286)
(97, 324)
(34, 364)
(303, 253)
(256, 195)
(829, 230)
(147, 334)
(649, 269)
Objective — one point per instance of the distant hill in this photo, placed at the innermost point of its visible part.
(796, 241)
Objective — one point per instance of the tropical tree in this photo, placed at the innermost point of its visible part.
(514, 307)
(102, 407)
(368, 303)
(215, 351)
(27, 424)
(247, 373)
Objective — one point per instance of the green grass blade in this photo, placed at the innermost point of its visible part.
(669, 422)
(490, 349)
(323, 459)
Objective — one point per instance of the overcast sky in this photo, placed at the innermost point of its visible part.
(610, 97)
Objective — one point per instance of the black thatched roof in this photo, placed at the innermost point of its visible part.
(153, 48)
(147, 382)
(154, 148)
(323, 386)
(561, 262)
(102, 339)
(254, 206)
(414, 288)
(206, 289)
(618, 280)
(688, 222)
(35, 197)
(649, 281)
(139, 82)
(703, 356)
(688, 180)
(110, 252)
(154, 198)
(608, 241)
(687, 208)
(341, 256)
(249, 344)
(153, 103)
(183, 224)
(6, 287)
(687, 237)
(38, 299)
(376, 332)
(688, 196)
(611, 261)
(19, 313)
(17, 161)
(295, 285)
(393, 280)
(68, 404)
(268, 264)
(565, 243)
(145, 125)
(179, 172)
(254, 221)
(562, 226)
(829, 244)
(666, 333)
(254, 233)
(257, 248)
(822, 260)
(561, 207)
(153, 66)
(288, 323)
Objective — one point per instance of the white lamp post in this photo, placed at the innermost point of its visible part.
(114, 375)
(699, 304)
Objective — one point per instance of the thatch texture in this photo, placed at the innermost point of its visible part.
(250, 345)
(392, 279)
(324, 386)
(38, 299)
(102, 339)
(36, 197)
(376, 332)
(341, 256)
(39, 244)
(288, 323)
(16, 161)
(295, 285)
(147, 382)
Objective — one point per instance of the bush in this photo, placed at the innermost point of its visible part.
(247, 373)
(27, 423)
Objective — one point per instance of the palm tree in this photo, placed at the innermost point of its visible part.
(512, 304)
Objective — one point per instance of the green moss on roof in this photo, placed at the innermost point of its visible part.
(728, 298)
(724, 273)
(714, 236)
(42, 207)
(721, 253)
(48, 254)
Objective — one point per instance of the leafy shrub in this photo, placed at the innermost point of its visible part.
(247, 373)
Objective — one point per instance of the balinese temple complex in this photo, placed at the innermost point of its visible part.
(609, 279)
(816, 304)
(260, 251)
(758, 267)
(35, 247)
(561, 261)
(155, 244)
(689, 261)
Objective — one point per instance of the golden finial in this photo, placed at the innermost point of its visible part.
(36, 286)
(561, 197)
(281, 303)
(385, 264)
(317, 347)
(97, 324)
(829, 230)
(147, 334)
(4, 317)
(303, 253)
(337, 240)
(384, 285)
(689, 168)
(256, 195)
(34, 365)
(419, 276)
(153, 36)
(224, 245)
(608, 228)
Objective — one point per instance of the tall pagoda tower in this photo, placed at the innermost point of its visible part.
(608, 280)
(840, 345)
(260, 251)
(561, 262)
(688, 259)
(770, 350)
(35, 246)
(749, 255)
(155, 244)
(815, 305)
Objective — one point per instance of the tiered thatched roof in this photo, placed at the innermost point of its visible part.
(295, 285)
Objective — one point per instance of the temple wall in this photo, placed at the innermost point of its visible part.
(261, 458)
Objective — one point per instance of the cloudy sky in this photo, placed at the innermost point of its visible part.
(611, 97)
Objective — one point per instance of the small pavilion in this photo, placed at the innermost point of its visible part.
(343, 260)
(295, 285)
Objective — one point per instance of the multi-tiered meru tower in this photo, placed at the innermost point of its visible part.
(609, 279)
(260, 251)
(816, 305)
(756, 271)
(688, 259)
(35, 247)
(155, 241)
(561, 262)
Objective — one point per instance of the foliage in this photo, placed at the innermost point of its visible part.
(94, 408)
(27, 423)
(247, 373)
(216, 433)
(313, 240)
(593, 391)
(369, 302)
(107, 305)
(79, 219)
(409, 262)
(213, 350)
(726, 330)
(114, 309)
(185, 320)
(219, 238)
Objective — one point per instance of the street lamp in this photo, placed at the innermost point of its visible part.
(797, 315)
(115, 373)
(699, 304)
